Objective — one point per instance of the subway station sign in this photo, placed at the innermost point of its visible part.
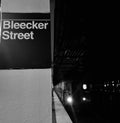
(25, 40)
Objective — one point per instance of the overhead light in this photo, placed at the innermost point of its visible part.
(84, 98)
(69, 99)
(112, 84)
(104, 85)
(112, 81)
(84, 86)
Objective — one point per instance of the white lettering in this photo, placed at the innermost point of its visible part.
(29, 26)
(13, 36)
(6, 24)
(45, 25)
(16, 25)
(34, 25)
(24, 25)
(5, 35)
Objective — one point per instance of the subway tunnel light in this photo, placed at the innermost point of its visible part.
(104, 85)
(84, 98)
(107, 84)
(84, 86)
(112, 81)
(69, 99)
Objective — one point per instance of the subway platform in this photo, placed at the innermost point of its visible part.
(59, 114)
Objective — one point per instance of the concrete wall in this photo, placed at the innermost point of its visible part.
(26, 5)
(25, 96)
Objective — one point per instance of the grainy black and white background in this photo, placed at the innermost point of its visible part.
(25, 92)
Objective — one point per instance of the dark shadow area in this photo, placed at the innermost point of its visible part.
(87, 51)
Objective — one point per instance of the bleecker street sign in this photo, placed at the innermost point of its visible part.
(25, 40)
